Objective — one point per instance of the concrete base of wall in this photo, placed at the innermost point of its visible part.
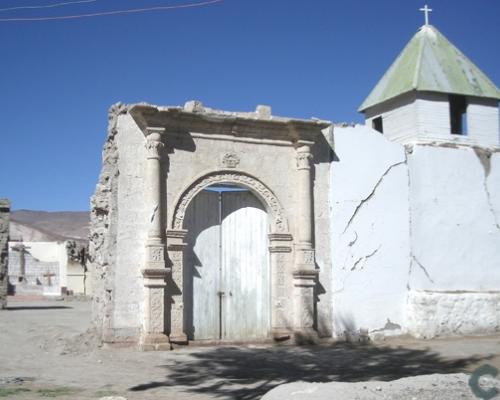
(431, 314)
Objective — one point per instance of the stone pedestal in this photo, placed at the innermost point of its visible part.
(280, 250)
(154, 337)
(176, 247)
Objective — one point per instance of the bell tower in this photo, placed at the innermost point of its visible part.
(434, 93)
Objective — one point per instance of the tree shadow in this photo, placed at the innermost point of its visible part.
(245, 373)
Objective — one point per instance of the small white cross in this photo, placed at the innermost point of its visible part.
(426, 11)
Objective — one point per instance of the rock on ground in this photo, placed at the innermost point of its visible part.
(426, 387)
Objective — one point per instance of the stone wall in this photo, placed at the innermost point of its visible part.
(4, 252)
(102, 240)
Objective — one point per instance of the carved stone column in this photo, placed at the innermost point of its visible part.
(154, 271)
(176, 248)
(305, 273)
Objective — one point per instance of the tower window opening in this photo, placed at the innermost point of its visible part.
(377, 124)
(458, 114)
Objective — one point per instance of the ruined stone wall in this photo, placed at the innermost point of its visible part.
(4, 252)
(102, 236)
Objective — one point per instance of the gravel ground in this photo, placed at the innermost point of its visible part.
(47, 351)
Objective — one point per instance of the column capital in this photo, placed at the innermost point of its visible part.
(304, 155)
(154, 144)
(154, 130)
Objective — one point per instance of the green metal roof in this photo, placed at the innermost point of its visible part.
(429, 62)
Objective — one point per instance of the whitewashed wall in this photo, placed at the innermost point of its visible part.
(455, 242)
(415, 237)
(370, 233)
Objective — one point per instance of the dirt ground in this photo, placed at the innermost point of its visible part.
(45, 352)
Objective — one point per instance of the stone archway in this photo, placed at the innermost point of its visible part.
(279, 222)
(280, 249)
(245, 149)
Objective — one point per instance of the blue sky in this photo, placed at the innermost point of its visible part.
(316, 58)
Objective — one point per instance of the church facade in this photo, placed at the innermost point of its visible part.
(216, 226)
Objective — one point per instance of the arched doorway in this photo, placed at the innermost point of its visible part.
(226, 276)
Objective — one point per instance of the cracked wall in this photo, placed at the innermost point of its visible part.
(4, 252)
(370, 233)
(415, 237)
(455, 240)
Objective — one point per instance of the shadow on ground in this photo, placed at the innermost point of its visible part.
(21, 308)
(248, 373)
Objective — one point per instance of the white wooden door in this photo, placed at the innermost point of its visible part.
(226, 280)
(201, 271)
(245, 272)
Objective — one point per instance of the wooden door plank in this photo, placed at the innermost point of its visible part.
(245, 268)
(202, 267)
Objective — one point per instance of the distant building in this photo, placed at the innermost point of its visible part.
(47, 268)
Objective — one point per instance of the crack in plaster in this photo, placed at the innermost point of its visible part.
(354, 267)
(353, 240)
(490, 204)
(364, 258)
(154, 213)
(422, 267)
(371, 194)
(409, 150)
(484, 157)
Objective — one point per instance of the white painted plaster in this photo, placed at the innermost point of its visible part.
(455, 239)
(370, 254)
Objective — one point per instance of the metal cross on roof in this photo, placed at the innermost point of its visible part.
(426, 11)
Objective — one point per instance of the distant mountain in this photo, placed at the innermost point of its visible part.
(44, 226)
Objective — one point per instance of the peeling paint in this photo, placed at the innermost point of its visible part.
(484, 156)
(389, 326)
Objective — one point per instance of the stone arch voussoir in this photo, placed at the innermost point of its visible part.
(278, 222)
